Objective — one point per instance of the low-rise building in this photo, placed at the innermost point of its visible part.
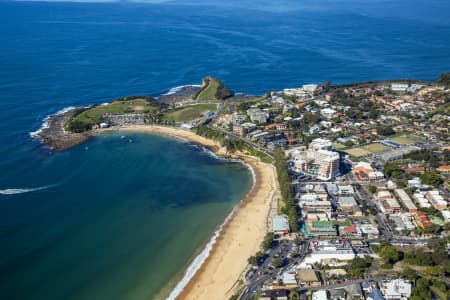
(422, 220)
(319, 228)
(436, 200)
(280, 224)
(320, 295)
(308, 277)
(397, 289)
(406, 200)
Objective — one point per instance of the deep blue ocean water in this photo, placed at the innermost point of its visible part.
(120, 220)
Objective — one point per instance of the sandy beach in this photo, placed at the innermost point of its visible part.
(242, 235)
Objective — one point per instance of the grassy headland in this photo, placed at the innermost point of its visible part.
(212, 89)
(93, 115)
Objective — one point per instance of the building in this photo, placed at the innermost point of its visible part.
(348, 205)
(396, 289)
(370, 231)
(337, 294)
(276, 126)
(421, 219)
(346, 190)
(278, 294)
(320, 295)
(324, 252)
(319, 228)
(321, 161)
(328, 113)
(436, 200)
(406, 200)
(308, 277)
(244, 128)
(390, 206)
(446, 215)
(280, 224)
(354, 291)
(257, 115)
(289, 279)
(443, 169)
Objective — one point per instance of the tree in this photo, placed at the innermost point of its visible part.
(293, 295)
(390, 254)
(385, 131)
(372, 189)
(431, 178)
(444, 78)
(267, 242)
(277, 263)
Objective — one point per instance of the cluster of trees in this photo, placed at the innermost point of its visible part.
(285, 189)
(431, 178)
(385, 130)
(268, 240)
(444, 79)
(389, 254)
(209, 133)
(435, 256)
(359, 265)
(425, 288)
(391, 170)
(433, 158)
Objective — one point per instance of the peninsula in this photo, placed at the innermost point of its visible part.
(351, 190)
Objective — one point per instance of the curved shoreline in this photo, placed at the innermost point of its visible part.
(240, 235)
(215, 274)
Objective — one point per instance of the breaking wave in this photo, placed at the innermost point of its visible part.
(21, 191)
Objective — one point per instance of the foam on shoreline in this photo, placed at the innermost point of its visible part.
(176, 89)
(201, 258)
(36, 134)
(198, 261)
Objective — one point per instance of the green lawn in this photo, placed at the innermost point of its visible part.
(375, 148)
(209, 93)
(357, 152)
(92, 115)
(403, 140)
(189, 113)
(338, 146)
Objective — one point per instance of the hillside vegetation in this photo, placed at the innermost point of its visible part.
(212, 89)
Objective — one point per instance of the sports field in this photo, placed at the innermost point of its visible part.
(357, 152)
(375, 148)
(403, 140)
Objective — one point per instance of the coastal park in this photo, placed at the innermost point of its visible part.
(188, 113)
(94, 114)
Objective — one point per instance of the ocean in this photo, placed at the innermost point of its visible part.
(114, 219)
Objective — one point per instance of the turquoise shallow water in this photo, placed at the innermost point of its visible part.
(118, 221)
